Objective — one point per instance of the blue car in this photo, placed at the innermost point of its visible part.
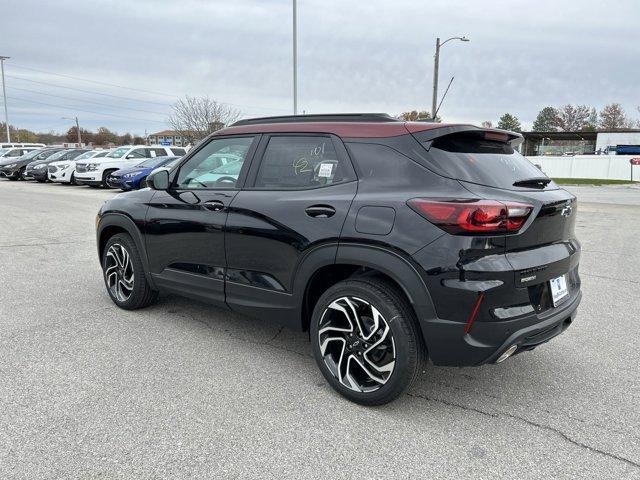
(135, 177)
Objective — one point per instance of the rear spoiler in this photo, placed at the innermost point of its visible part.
(506, 136)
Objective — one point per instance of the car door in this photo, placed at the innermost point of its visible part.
(185, 225)
(296, 200)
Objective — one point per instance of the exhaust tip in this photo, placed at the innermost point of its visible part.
(507, 353)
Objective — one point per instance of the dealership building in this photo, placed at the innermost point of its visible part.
(577, 143)
(167, 137)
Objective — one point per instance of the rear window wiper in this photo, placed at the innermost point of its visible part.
(539, 182)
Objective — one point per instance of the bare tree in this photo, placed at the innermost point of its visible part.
(487, 124)
(196, 117)
(612, 117)
(572, 118)
(414, 115)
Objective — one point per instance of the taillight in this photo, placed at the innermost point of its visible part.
(460, 217)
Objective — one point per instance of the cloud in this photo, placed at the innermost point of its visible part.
(353, 56)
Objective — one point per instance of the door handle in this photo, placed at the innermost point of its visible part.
(320, 211)
(213, 205)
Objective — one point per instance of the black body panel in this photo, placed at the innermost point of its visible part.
(260, 251)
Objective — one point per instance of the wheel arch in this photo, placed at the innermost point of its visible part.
(113, 223)
(364, 260)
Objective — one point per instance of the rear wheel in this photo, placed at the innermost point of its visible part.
(124, 274)
(366, 341)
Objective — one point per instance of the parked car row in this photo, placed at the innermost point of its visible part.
(124, 167)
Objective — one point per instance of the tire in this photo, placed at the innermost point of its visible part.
(129, 288)
(104, 178)
(143, 183)
(396, 339)
(40, 181)
(72, 180)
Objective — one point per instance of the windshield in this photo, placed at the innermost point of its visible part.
(31, 154)
(172, 163)
(152, 162)
(86, 155)
(57, 155)
(3, 151)
(476, 158)
(232, 168)
(118, 153)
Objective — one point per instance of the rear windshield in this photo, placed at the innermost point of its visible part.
(470, 157)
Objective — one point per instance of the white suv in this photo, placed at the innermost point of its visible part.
(95, 173)
(63, 171)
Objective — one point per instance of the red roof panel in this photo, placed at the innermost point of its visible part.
(341, 129)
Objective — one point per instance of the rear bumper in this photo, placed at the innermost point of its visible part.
(487, 340)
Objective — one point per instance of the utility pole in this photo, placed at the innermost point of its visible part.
(436, 66)
(4, 94)
(78, 130)
(295, 58)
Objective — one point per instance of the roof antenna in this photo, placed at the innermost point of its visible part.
(435, 115)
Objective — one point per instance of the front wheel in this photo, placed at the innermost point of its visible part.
(105, 178)
(124, 275)
(366, 341)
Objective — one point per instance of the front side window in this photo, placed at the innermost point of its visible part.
(139, 153)
(299, 162)
(216, 165)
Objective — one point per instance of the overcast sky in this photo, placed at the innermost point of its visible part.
(369, 55)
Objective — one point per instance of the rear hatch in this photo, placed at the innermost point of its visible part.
(487, 165)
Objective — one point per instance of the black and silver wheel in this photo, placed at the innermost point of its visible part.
(366, 340)
(105, 179)
(124, 274)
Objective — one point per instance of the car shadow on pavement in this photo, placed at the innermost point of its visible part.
(482, 388)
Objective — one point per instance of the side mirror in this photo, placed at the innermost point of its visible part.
(159, 180)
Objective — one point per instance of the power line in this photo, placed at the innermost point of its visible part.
(86, 111)
(87, 91)
(85, 101)
(254, 107)
(94, 81)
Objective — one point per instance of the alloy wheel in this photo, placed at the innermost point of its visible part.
(118, 272)
(356, 344)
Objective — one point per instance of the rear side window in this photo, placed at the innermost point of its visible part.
(178, 151)
(299, 162)
(472, 157)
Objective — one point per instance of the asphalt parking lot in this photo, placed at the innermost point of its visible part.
(184, 390)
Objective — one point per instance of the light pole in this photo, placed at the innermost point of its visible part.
(77, 128)
(4, 94)
(436, 64)
(295, 58)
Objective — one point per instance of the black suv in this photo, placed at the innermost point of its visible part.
(392, 242)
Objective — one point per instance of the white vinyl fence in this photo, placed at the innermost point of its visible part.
(609, 167)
